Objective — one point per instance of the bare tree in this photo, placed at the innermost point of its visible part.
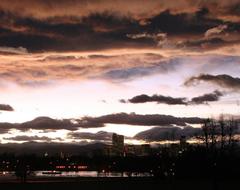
(218, 131)
(222, 124)
(205, 129)
(213, 132)
(231, 129)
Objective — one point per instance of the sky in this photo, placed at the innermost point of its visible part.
(76, 71)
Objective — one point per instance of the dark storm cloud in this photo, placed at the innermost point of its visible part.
(41, 123)
(169, 30)
(136, 119)
(168, 25)
(182, 23)
(143, 98)
(202, 99)
(210, 97)
(99, 136)
(91, 25)
(225, 81)
(168, 133)
(46, 123)
(139, 9)
(94, 32)
(6, 107)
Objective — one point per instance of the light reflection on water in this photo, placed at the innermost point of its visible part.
(91, 174)
(11, 174)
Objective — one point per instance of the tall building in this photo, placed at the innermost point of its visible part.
(118, 144)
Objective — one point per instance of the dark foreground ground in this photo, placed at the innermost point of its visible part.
(121, 184)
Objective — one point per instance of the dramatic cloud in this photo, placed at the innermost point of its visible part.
(139, 9)
(48, 69)
(202, 99)
(44, 35)
(46, 123)
(167, 133)
(210, 97)
(6, 107)
(136, 119)
(225, 81)
(91, 25)
(41, 123)
(143, 98)
(32, 31)
(39, 70)
(90, 51)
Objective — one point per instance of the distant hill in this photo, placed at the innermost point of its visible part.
(51, 148)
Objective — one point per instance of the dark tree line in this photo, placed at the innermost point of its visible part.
(220, 132)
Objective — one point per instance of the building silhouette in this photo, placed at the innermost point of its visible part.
(117, 144)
